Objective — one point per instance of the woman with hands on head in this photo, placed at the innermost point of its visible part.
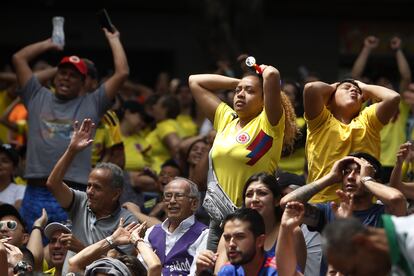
(250, 136)
(337, 126)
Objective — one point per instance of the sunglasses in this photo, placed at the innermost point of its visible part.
(8, 225)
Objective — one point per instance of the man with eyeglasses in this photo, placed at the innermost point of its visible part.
(179, 239)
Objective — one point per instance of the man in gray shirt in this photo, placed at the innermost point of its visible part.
(51, 115)
(96, 213)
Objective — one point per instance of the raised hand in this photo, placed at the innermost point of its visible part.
(82, 135)
(70, 242)
(338, 168)
(139, 232)
(14, 254)
(403, 152)
(110, 35)
(42, 220)
(345, 207)
(293, 214)
(206, 260)
(371, 42)
(366, 168)
(122, 234)
(395, 43)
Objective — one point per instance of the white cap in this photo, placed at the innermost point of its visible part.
(54, 226)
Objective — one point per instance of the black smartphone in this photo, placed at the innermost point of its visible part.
(104, 20)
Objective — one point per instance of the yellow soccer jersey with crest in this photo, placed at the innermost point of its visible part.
(329, 140)
(238, 154)
(159, 152)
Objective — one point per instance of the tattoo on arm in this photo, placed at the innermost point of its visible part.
(304, 193)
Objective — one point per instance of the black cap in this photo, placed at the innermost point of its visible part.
(10, 210)
(11, 153)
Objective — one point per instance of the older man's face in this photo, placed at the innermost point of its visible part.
(101, 196)
(179, 205)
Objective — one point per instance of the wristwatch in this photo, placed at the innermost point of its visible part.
(367, 178)
(110, 240)
(20, 267)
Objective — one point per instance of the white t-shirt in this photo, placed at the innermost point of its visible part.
(12, 193)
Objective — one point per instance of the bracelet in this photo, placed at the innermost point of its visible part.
(38, 227)
(137, 241)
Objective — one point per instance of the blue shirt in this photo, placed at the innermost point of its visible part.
(268, 268)
(369, 217)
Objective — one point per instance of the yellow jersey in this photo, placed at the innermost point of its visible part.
(329, 140)
(187, 124)
(159, 152)
(108, 134)
(237, 154)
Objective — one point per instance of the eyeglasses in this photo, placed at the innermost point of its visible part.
(178, 196)
(9, 225)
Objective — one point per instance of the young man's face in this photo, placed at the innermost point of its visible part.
(57, 251)
(240, 243)
(18, 235)
(351, 182)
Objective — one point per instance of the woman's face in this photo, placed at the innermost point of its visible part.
(196, 152)
(248, 97)
(259, 197)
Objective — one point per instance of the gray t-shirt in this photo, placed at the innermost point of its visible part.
(88, 229)
(50, 122)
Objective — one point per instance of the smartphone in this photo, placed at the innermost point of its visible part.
(104, 20)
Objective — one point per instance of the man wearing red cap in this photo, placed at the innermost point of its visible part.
(51, 117)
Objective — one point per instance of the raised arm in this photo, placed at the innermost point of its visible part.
(121, 236)
(203, 88)
(287, 261)
(393, 199)
(271, 90)
(35, 244)
(306, 192)
(80, 140)
(407, 188)
(388, 100)
(403, 66)
(315, 96)
(121, 72)
(22, 58)
(370, 43)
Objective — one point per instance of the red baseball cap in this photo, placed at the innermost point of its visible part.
(77, 62)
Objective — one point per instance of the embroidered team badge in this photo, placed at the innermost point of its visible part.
(243, 138)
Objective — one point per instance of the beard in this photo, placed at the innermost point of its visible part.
(244, 258)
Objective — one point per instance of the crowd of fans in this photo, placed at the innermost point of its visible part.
(217, 174)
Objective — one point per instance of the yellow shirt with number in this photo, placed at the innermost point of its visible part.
(159, 152)
(239, 153)
(393, 135)
(329, 140)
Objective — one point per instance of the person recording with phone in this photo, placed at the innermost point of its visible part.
(51, 117)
